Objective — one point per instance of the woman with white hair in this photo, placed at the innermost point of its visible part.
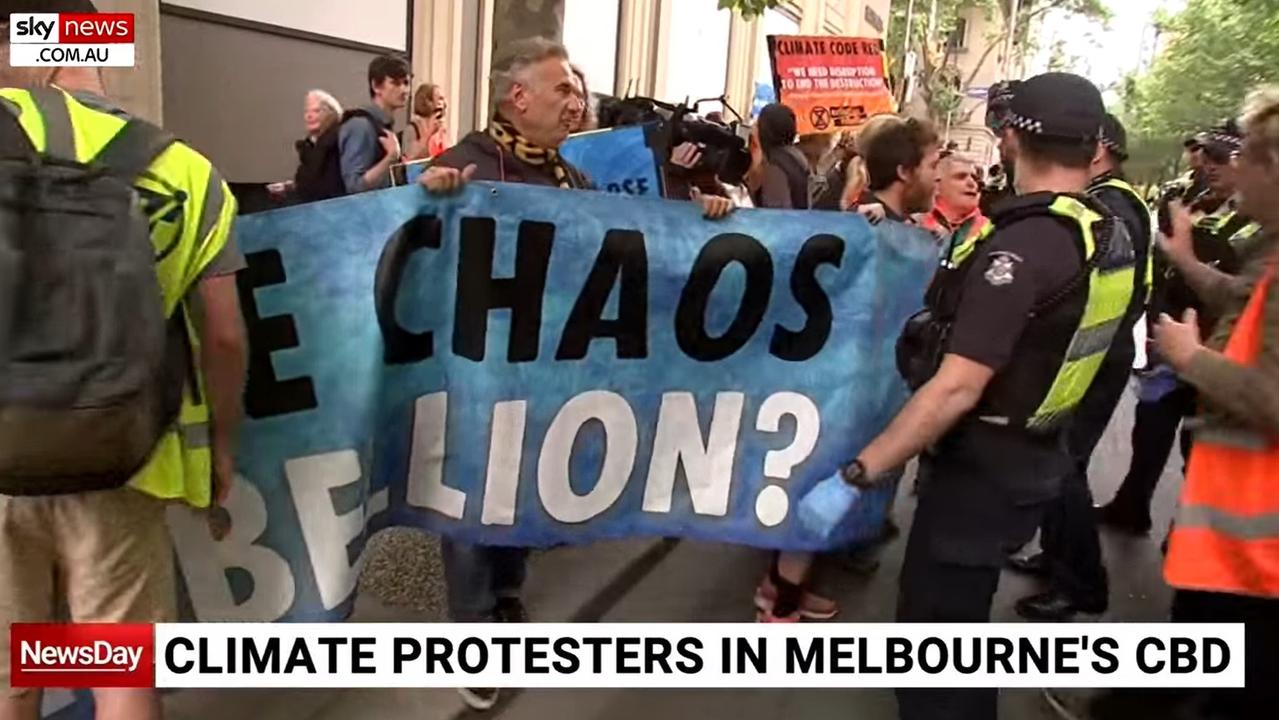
(319, 173)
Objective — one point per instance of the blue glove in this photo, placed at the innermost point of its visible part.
(822, 508)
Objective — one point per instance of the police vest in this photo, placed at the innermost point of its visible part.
(1227, 529)
(1108, 277)
(1147, 238)
(191, 212)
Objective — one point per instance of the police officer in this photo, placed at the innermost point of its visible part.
(1030, 307)
(1221, 236)
(999, 189)
(1071, 558)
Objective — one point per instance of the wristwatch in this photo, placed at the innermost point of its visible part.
(855, 474)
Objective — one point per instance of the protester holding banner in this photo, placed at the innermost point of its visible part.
(1001, 359)
(539, 103)
(128, 357)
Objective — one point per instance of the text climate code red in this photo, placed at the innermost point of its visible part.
(84, 655)
(95, 28)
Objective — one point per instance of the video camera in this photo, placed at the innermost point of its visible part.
(724, 146)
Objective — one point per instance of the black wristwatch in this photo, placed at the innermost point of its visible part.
(855, 474)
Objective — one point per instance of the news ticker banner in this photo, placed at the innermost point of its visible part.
(629, 655)
(832, 83)
(531, 366)
(71, 39)
(624, 160)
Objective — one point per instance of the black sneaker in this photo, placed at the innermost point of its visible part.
(509, 610)
(479, 698)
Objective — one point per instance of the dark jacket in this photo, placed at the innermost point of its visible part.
(785, 180)
(319, 173)
(494, 163)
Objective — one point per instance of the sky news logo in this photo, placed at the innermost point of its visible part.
(82, 655)
(71, 39)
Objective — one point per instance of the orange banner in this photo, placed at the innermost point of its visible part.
(832, 83)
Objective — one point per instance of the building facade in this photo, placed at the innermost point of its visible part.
(229, 76)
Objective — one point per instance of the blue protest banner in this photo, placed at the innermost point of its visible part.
(532, 366)
(618, 160)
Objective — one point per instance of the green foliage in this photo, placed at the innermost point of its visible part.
(748, 8)
(1214, 52)
(938, 80)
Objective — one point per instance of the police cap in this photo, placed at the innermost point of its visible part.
(1222, 141)
(1058, 105)
(1114, 137)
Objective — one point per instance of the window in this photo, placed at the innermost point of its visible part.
(774, 22)
(590, 34)
(697, 58)
(958, 39)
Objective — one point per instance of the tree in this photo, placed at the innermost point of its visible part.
(1215, 52)
(938, 80)
(748, 8)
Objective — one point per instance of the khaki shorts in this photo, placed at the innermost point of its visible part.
(90, 557)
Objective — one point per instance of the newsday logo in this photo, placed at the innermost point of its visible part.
(71, 39)
(99, 656)
(82, 655)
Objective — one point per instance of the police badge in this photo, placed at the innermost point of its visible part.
(1001, 267)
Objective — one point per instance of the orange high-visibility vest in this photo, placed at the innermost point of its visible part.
(1226, 534)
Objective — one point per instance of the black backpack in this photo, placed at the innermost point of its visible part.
(91, 372)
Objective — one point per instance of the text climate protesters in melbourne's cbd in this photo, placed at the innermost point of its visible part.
(1071, 561)
(1223, 554)
(539, 102)
(94, 517)
(367, 144)
(1015, 326)
(1220, 234)
(901, 162)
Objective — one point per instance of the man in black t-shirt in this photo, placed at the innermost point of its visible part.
(1014, 368)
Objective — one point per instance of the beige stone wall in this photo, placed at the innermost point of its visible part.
(138, 89)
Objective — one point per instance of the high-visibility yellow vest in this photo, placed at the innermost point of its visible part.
(1126, 188)
(191, 211)
(1110, 285)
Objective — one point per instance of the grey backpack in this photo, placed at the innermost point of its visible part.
(91, 372)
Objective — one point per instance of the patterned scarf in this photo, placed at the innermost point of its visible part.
(529, 153)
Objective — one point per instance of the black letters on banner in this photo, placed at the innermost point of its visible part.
(690, 317)
(264, 394)
(623, 260)
(799, 346)
(400, 345)
(478, 291)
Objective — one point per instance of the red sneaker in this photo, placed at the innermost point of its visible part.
(811, 606)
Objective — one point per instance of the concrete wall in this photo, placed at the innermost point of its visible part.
(138, 89)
